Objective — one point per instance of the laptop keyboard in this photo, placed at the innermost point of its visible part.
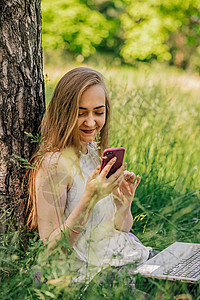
(189, 267)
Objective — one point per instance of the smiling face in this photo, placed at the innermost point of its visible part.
(92, 114)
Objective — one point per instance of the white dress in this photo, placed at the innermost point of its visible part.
(101, 244)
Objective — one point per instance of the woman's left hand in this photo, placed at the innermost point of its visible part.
(124, 194)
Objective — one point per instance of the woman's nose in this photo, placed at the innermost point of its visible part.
(90, 121)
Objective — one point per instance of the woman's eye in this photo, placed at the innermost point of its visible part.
(97, 113)
(101, 113)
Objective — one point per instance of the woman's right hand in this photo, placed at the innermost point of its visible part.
(98, 186)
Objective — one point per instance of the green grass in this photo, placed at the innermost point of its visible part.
(159, 127)
(155, 117)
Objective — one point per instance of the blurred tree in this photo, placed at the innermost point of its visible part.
(167, 30)
(111, 10)
(74, 26)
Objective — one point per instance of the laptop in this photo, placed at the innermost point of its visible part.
(180, 261)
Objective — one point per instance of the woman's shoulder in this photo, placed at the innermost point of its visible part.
(64, 159)
(50, 159)
(59, 166)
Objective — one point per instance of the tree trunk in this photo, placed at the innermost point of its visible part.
(22, 102)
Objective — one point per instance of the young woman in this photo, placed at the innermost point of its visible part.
(68, 193)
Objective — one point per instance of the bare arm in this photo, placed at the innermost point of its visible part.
(123, 218)
(75, 223)
(123, 197)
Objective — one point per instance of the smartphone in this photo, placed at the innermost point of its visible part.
(108, 154)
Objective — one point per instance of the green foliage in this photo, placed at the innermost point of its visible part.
(112, 11)
(145, 32)
(160, 29)
(73, 26)
(129, 29)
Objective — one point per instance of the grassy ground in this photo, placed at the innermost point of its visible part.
(155, 117)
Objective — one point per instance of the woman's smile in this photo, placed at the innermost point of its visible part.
(88, 131)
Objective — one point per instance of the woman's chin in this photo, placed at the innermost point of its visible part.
(87, 139)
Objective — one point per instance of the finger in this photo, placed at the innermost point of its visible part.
(138, 179)
(132, 177)
(117, 182)
(129, 176)
(121, 179)
(119, 172)
(98, 168)
(107, 168)
(94, 174)
(127, 173)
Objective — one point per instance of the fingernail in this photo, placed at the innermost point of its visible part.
(125, 164)
(114, 158)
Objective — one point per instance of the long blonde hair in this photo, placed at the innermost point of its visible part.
(59, 125)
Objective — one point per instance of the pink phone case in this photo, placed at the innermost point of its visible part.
(108, 154)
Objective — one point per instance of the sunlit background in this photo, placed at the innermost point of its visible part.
(149, 53)
(124, 31)
(123, 38)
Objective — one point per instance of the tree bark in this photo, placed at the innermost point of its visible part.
(22, 102)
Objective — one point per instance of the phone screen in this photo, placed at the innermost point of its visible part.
(108, 154)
